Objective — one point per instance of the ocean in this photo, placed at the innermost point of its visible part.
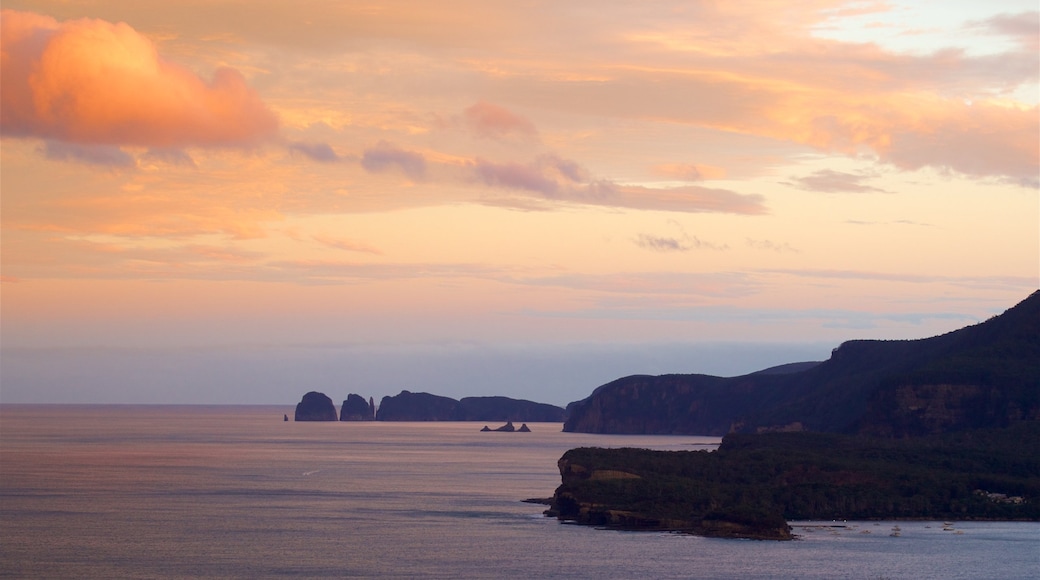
(235, 492)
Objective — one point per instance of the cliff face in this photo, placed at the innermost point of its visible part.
(408, 406)
(986, 375)
(315, 406)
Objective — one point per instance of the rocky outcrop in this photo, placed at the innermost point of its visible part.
(355, 408)
(508, 428)
(315, 406)
(980, 376)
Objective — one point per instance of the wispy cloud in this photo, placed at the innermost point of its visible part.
(689, 284)
(769, 245)
(385, 156)
(169, 156)
(345, 244)
(1024, 27)
(102, 155)
(895, 222)
(320, 152)
(556, 178)
(831, 181)
(1002, 282)
(661, 244)
(678, 242)
(689, 171)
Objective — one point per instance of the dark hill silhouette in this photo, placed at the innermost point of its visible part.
(985, 375)
(408, 406)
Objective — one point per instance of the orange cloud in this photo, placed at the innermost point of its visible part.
(93, 82)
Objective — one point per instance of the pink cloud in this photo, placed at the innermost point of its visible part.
(495, 122)
(90, 81)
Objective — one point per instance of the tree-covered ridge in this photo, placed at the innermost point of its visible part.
(755, 481)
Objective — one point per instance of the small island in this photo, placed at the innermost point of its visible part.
(508, 428)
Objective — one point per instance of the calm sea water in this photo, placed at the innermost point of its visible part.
(235, 492)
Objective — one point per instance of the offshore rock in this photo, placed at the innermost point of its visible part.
(355, 408)
(524, 429)
(315, 406)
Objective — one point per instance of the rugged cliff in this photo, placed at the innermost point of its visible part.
(986, 375)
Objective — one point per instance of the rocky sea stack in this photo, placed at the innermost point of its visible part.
(315, 406)
(356, 408)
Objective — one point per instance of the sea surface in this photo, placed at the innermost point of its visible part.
(235, 492)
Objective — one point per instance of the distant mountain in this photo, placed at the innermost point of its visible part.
(408, 406)
(985, 375)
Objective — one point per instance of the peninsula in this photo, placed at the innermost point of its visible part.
(946, 427)
(753, 484)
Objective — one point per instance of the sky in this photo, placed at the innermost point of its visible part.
(218, 202)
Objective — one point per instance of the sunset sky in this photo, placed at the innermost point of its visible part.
(218, 201)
